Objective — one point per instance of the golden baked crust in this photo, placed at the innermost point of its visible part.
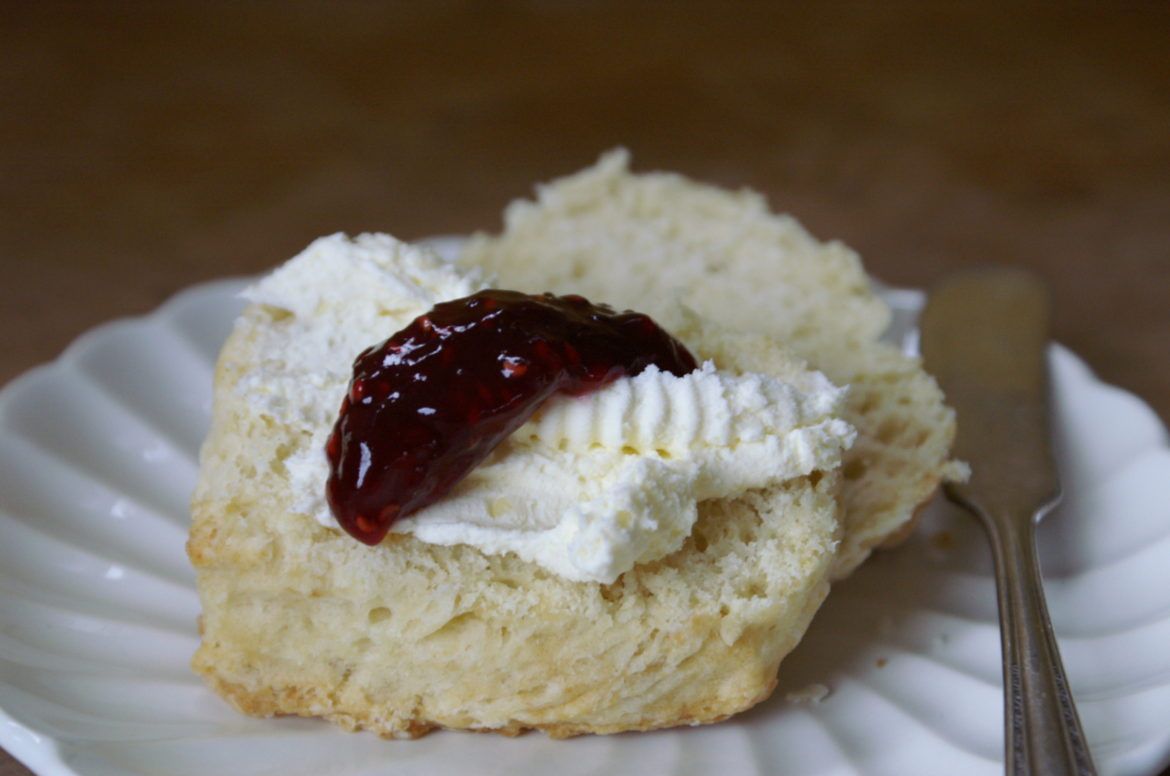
(405, 637)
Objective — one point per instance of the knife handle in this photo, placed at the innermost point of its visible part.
(1043, 735)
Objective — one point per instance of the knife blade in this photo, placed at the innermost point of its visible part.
(983, 336)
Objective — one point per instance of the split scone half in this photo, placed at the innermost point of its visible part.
(408, 635)
(654, 240)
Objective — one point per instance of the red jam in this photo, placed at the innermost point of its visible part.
(430, 403)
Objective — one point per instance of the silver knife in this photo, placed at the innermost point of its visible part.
(983, 335)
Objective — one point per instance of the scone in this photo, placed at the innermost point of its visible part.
(417, 633)
(653, 240)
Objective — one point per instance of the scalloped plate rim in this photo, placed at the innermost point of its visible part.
(45, 754)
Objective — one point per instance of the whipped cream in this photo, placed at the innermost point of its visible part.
(590, 485)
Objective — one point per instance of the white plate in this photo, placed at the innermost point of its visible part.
(97, 606)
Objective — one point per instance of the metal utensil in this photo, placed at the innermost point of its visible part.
(983, 336)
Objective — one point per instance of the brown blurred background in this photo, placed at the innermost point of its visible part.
(145, 147)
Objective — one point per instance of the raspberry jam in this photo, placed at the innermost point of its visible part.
(430, 403)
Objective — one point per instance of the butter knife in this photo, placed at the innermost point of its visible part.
(983, 335)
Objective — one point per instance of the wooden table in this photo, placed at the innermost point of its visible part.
(144, 148)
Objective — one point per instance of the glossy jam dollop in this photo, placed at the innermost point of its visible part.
(430, 403)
